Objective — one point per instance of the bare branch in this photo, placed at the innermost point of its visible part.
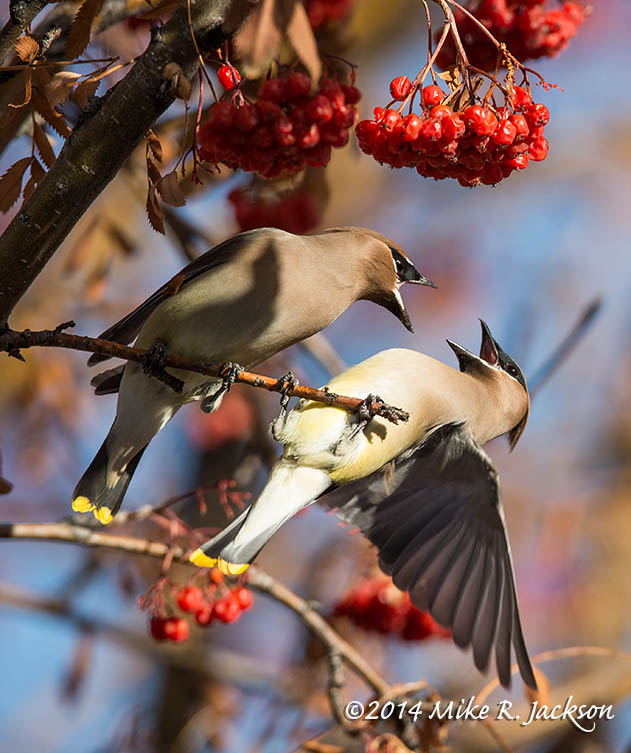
(21, 13)
(12, 342)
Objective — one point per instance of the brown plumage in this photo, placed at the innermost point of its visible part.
(243, 301)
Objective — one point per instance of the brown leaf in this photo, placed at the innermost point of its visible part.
(174, 285)
(41, 76)
(37, 173)
(43, 145)
(174, 73)
(11, 183)
(60, 87)
(50, 115)
(28, 89)
(27, 49)
(84, 91)
(170, 190)
(154, 211)
(542, 694)
(154, 147)
(79, 35)
(258, 41)
(300, 34)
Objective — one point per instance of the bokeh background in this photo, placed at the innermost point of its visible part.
(80, 674)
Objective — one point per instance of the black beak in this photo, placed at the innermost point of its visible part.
(407, 272)
(397, 307)
(464, 356)
(489, 349)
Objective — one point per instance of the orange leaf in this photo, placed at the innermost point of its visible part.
(28, 89)
(26, 49)
(154, 211)
(170, 190)
(43, 145)
(79, 35)
(84, 91)
(11, 183)
(50, 115)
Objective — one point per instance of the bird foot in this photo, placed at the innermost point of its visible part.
(153, 365)
(369, 407)
(229, 374)
(289, 382)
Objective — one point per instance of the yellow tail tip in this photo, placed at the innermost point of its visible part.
(231, 568)
(202, 560)
(103, 515)
(82, 504)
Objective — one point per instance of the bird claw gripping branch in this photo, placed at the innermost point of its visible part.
(289, 382)
(153, 365)
(229, 374)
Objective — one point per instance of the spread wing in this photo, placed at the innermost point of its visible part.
(126, 330)
(438, 523)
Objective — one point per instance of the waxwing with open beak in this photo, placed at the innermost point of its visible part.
(424, 492)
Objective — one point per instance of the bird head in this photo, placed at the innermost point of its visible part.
(386, 267)
(492, 357)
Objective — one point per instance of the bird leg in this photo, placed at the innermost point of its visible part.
(289, 382)
(229, 374)
(153, 364)
(366, 411)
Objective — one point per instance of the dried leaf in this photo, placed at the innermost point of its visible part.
(11, 183)
(28, 89)
(27, 49)
(84, 91)
(170, 190)
(60, 87)
(54, 119)
(258, 41)
(41, 76)
(154, 211)
(174, 73)
(542, 694)
(174, 285)
(37, 171)
(154, 147)
(300, 34)
(43, 145)
(79, 35)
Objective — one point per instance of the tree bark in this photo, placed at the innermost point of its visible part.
(106, 134)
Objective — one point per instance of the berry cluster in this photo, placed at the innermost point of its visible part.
(477, 144)
(528, 29)
(377, 604)
(327, 12)
(287, 128)
(297, 212)
(215, 602)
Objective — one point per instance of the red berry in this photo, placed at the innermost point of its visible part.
(431, 129)
(227, 609)
(453, 127)
(538, 150)
(176, 629)
(319, 109)
(521, 98)
(518, 162)
(352, 95)
(538, 115)
(400, 87)
(332, 90)
(221, 115)
(297, 86)
(521, 126)
(156, 628)
(309, 138)
(273, 90)
(205, 615)
(190, 598)
(244, 597)
(228, 76)
(432, 95)
(412, 125)
(247, 118)
(344, 117)
(390, 119)
(269, 110)
(505, 133)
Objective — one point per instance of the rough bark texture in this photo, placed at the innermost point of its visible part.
(105, 136)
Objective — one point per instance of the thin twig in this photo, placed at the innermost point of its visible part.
(257, 580)
(12, 342)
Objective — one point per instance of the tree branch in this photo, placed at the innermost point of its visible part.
(21, 13)
(102, 140)
(257, 579)
(12, 342)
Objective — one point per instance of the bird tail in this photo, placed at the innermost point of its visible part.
(101, 490)
(290, 488)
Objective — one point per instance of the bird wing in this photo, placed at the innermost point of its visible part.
(437, 520)
(125, 330)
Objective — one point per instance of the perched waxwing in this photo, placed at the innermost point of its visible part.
(241, 302)
(424, 492)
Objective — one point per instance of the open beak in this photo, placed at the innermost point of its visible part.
(399, 310)
(465, 357)
(489, 349)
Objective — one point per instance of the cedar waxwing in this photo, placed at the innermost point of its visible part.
(424, 492)
(242, 302)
